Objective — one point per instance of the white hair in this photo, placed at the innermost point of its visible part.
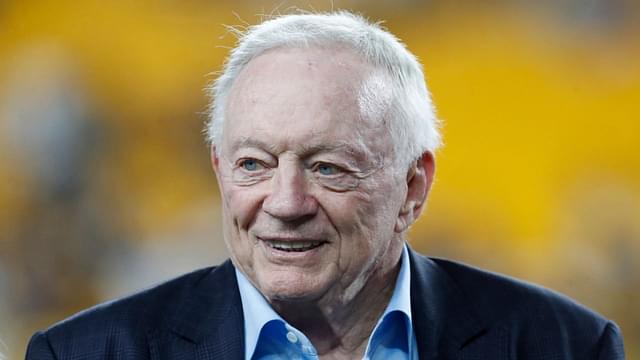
(410, 117)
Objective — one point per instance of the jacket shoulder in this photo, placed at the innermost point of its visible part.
(496, 296)
(536, 318)
(118, 326)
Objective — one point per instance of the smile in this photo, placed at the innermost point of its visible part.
(293, 246)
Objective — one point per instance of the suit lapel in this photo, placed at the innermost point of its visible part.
(207, 323)
(443, 319)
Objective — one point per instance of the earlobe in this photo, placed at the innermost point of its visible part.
(419, 180)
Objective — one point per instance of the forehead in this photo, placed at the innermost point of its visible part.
(290, 96)
(339, 66)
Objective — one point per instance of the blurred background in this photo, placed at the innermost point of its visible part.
(106, 184)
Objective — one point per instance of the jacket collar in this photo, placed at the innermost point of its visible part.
(443, 319)
(209, 320)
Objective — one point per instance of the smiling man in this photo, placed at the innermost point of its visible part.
(315, 203)
(323, 138)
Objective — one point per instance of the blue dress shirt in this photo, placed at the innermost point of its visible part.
(268, 336)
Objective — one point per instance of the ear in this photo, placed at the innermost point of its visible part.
(215, 161)
(419, 180)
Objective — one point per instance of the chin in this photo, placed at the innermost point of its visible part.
(293, 290)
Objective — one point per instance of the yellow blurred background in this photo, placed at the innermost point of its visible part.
(106, 184)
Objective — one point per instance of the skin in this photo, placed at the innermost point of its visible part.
(301, 162)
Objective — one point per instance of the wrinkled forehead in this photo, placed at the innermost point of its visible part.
(329, 72)
(310, 94)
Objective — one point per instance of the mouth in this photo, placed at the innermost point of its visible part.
(293, 245)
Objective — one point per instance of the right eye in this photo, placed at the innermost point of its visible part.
(251, 165)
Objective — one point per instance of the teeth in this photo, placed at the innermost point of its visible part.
(294, 246)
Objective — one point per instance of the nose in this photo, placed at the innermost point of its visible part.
(289, 200)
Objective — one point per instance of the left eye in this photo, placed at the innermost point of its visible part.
(327, 169)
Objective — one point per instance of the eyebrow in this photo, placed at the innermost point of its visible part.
(342, 146)
(306, 149)
(244, 142)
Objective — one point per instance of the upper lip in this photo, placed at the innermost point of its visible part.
(288, 238)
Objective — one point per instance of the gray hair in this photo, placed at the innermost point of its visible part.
(411, 117)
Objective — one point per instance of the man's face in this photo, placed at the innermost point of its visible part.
(309, 190)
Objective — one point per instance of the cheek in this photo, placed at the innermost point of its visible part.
(241, 203)
(354, 216)
(239, 213)
(377, 207)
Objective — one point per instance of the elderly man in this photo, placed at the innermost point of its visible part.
(323, 138)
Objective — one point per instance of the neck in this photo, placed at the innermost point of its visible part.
(341, 328)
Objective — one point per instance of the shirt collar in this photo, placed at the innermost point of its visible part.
(400, 302)
(257, 311)
(401, 298)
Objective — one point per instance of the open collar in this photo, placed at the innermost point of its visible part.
(208, 322)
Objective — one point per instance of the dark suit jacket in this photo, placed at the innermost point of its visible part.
(459, 312)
